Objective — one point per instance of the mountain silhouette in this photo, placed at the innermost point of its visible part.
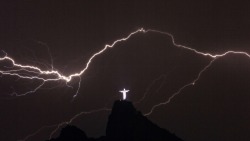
(125, 124)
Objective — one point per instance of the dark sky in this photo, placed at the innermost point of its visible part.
(216, 108)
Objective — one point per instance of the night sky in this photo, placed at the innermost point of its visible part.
(67, 33)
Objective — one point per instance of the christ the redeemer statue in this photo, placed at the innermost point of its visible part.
(124, 92)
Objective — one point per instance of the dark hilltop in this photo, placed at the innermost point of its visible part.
(125, 124)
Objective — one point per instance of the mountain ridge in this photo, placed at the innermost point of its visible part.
(125, 123)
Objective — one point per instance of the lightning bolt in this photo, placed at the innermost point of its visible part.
(181, 89)
(39, 74)
(213, 57)
(57, 76)
(163, 76)
(35, 73)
